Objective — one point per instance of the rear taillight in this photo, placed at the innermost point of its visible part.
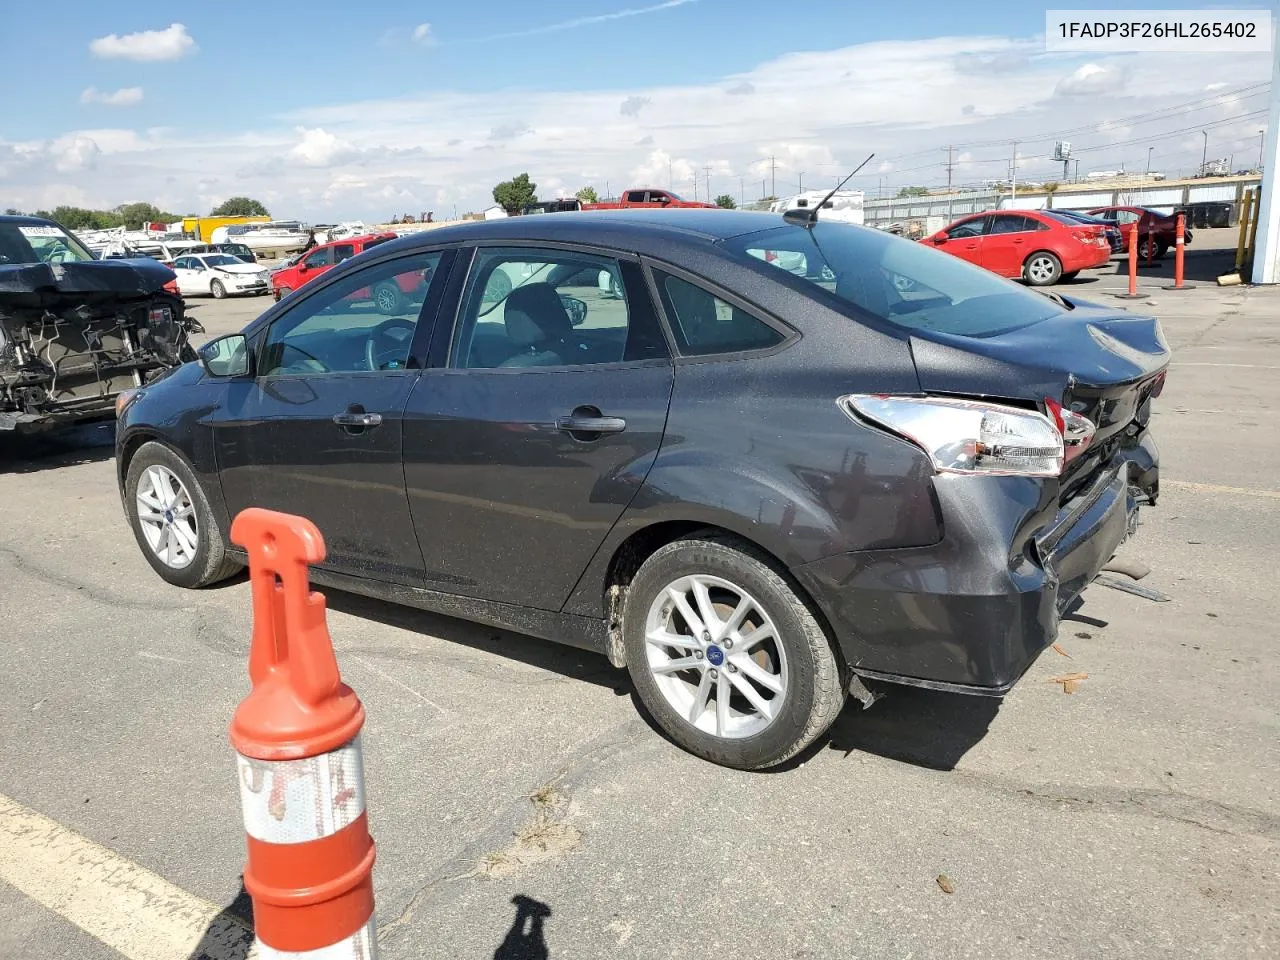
(1077, 431)
(968, 436)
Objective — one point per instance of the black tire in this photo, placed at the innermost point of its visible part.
(1070, 276)
(388, 298)
(1161, 249)
(217, 289)
(815, 691)
(1042, 269)
(209, 563)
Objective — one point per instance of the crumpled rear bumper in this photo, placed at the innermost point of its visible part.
(973, 611)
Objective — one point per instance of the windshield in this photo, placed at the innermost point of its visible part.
(39, 243)
(222, 260)
(899, 281)
(236, 249)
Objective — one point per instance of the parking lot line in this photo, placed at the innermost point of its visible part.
(136, 912)
(1219, 488)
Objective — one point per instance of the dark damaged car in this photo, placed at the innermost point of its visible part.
(766, 465)
(75, 331)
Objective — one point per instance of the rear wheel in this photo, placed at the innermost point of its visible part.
(388, 297)
(1042, 269)
(171, 519)
(726, 656)
(217, 289)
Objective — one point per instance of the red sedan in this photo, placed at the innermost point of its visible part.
(1040, 246)
(1156, 231)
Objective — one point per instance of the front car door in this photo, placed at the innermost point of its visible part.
(963, 239)
(314, 263)
(184, 269)
(318, 430)
(537, 423)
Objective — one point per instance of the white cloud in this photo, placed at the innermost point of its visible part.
(587, 21)
(632, 106)
(124, 97)
(422, 34)
(818, 112)
(1092, 79)
(171, 43)
(319, 148)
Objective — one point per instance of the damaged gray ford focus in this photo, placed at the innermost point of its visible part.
(762, 464)
(75, 331)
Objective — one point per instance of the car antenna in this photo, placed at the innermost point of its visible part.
(808, 216)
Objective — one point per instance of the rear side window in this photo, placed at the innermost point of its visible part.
(704, 324)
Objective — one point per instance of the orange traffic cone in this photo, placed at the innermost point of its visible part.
(297, 736)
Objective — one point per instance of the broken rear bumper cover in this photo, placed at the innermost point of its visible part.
(972, 612)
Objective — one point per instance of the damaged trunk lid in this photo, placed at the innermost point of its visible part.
(1106, 365)
(74, 333)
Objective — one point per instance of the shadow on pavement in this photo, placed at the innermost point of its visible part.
(925, 728)
(230, 934)
(544, 654)
(526, 939)
(88, 443)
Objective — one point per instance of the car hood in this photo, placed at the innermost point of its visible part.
(89, 281)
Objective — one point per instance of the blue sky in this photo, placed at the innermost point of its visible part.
(363, 109)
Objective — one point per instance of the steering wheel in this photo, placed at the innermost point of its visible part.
(388, 344)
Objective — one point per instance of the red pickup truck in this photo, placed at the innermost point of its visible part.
(647, 198)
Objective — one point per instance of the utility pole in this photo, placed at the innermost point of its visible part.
(742, 190)
(773, 176)
(801, 190)
(1077, 169)
(1149, 149)
(1204, 157)
(762, 185)
(608, 193)
(695, 188)
(707, 171)
(1262, 143)
(949, 166)
(1013, 175)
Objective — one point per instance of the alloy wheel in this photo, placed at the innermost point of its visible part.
(1040, 270)
(716, 656)
(167, 517)
(386, 299)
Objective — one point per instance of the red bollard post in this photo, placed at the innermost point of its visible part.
(1179, 250)
(1133, 265)
(297, 740)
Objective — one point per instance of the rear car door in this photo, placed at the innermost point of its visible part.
(964, 239)
(318, 431)
(536, 424)
(184, 269)
(1007, 243)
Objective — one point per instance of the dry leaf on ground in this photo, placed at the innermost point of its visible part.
(945, 884)
(1057, 648)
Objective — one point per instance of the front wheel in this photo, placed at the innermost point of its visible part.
(726, 656)
(171, 519)
(388, 298)
(1042, 269)
(217, 289)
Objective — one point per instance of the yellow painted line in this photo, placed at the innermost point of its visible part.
(1218, 488)
(137, 913)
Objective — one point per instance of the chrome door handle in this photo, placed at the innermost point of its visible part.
(357, 419)
(590, 424)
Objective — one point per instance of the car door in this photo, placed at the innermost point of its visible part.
(185, 272)
(1125, 219)
(1008, 240)
(317, 431)
(314, 264)
(963, 239)
(536, 424)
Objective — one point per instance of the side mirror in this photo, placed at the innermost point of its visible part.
(939, 239)
(575, 308)
(225, 357)
(303, 267)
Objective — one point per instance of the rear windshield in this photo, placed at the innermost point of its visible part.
(39, 243)
(902, 282)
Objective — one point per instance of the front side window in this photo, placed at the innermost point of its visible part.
(319, 258)
(1126, 216)
(527, 307)
(970, 228)
(907, 284)
(364, 322)
(704, 324)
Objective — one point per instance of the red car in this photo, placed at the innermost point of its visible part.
(1040, 246)
(319, 259)
(1157, 231)
(648, 198)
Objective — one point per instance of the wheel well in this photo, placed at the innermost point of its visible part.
(130, 448)
(641, 545)
(1036, 253)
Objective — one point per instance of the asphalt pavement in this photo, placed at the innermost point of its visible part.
(523, 806)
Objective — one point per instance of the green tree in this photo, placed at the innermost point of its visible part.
(1051, 187)
(726, 201)
(913, 192)
(515, 194)
(12, 212)
(588, 195)
(134, 215)
(239, 207)
(79, 218)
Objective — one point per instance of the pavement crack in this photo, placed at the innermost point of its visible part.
(24, 564)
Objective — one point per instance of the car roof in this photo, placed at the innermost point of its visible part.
(642, 231)
(24, 220)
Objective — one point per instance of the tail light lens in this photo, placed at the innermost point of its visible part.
(968, 436)
(1077, 431)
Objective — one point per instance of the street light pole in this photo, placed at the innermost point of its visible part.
(1204, 156)
(1262, 143)
(1149, 149)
